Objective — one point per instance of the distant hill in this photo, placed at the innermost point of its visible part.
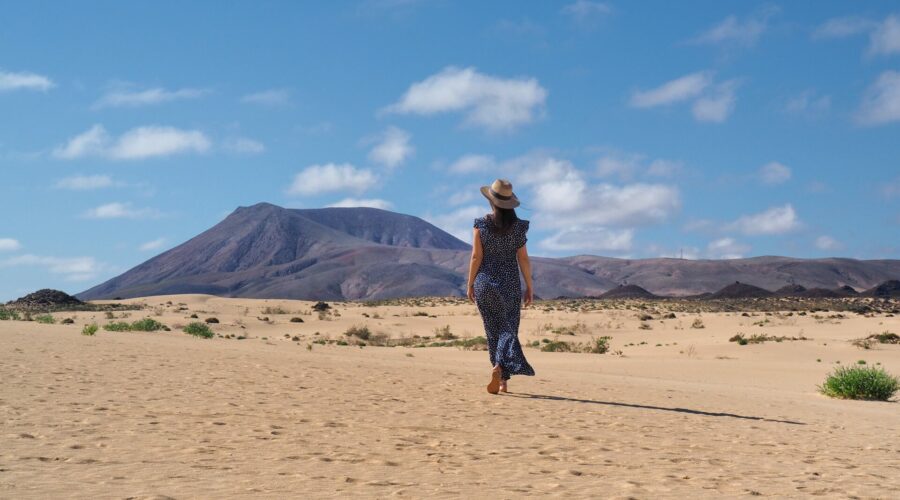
(627, 292)
(266, 251)
(739, 290)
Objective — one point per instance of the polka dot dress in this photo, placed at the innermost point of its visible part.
(498, 294)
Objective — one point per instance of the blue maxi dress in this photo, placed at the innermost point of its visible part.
(498, 294)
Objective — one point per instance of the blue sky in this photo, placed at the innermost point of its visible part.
(634, 129)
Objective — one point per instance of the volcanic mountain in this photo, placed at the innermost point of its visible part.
(266, 251)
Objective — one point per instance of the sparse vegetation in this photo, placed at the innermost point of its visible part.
(698, 323)
(90, 329)
(9, 314)
(361, 332)
(860, 382)
(117, 326)
(46, 319)
(444, 333)
(759, 338)
(274, 310)
(198, 329)
(147, 325)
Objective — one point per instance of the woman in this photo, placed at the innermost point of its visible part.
(498, 253)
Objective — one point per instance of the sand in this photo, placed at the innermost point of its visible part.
(164, 414)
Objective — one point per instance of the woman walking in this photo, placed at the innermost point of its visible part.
(498, 255)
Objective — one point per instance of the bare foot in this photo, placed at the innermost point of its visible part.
(503, 387)
(494, 386)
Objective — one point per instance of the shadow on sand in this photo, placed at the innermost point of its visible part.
(650, 407)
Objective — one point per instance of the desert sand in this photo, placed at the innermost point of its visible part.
(669, 411)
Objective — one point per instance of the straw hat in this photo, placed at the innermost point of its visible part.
(500, 193)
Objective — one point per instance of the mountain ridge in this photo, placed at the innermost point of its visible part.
(266, 251)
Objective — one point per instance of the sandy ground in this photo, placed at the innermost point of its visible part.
(680, 411)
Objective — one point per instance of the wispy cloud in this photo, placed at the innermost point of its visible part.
(885, 39)
(152, 245)
(597, 239)
(726, 248)
(393, 148)
(841, 27)
(825, 242)
(117, 210)
(808, 101)
(71, 268)
(9, 245)
(135, 144)
(459, 222)
(24, 80)
(884, 36)
(586, 12)
(332, 177)
(135, 98)
(881, 101)
(490, 102)
(244, 145)
(774, 173)
(84, 182)
(677, 90)
(712, 102)
(362, 202)
(270, 97)
(736, 31)
(775, 220)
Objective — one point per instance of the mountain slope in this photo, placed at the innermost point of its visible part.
(265, 251)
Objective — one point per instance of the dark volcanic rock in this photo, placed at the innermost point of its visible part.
(890, 288)
(321, 306)
(45, 299)
(791, 291)
(847, 290)
(738, 290)
(823, 293)
(627, 292)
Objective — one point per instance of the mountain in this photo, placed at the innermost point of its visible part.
(738, 290)
(627, 292)
(266, 251)
(890, 288)
(664, 276)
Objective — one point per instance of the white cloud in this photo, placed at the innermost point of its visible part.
(244, 145)
(331, 177)
(716, 106)
(152, 245)
(626, 166)
(84, 182)
(825, 242)
(271, 97)
(10, 81)
(726, 248)
(459, 222)
(885, 39)
(490, 102)
(598, 239)
(841, 27)
(734, 31)
(808, 102)
(118, 210)
(9, 245)
(72, 268)
(393, 148)
(775, 220)
(774, 173)
(470, 164)
(357, 202)
(679, 89)
(881, 102)
(462, 196)
(584, 11)
(136, 98)
(135, 144)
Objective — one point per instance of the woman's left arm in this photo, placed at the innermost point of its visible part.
(525, 266)
(475, 263)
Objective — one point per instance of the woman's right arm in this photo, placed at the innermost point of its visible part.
(474, 264)
(525, 266)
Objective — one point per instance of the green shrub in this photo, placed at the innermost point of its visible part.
(8, 314)
(860, 382)
(360, 332)
(89, 329)
(147, 325)
(198, 329)
(444, 333)
(118, 326)
(599, 346)
(46, 319)
(556, 346)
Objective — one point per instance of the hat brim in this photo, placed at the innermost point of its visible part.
(513, 202)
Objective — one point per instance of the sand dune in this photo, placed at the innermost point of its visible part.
(157, 415)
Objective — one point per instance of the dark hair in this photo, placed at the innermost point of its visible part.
(503, 218)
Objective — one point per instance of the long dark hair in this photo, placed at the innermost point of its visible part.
(503, 218)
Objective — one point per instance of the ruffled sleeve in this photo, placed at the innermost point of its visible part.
(523, 230)
(479, 223)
